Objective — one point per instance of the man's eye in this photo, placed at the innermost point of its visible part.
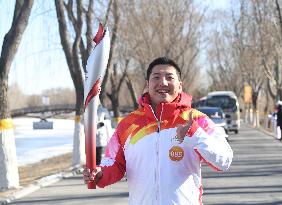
(170, 78)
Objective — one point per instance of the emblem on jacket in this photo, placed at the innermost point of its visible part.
(176, 153)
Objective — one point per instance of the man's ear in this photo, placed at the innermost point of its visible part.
(146, 88)
(180, 86)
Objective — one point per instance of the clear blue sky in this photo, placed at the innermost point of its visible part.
(40, 62)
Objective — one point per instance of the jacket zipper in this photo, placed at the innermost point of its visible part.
(157, 171)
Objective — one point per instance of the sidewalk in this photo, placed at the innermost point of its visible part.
(11, 195)
(72, 191)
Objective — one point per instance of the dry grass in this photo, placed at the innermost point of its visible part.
(32, 172)
(46, 167)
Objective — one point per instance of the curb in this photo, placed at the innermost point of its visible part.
(40, 183)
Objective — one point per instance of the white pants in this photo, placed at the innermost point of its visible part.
(278, 132)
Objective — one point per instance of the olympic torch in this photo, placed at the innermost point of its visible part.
(95, 70)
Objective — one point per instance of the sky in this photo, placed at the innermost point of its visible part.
(40, 62)
(217, 4)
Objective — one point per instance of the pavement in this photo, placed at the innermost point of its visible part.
(68, 188)
(255, 177)
(38, 184)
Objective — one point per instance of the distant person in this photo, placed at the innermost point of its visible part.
(279, 120)
(162, 144)
(103, 132)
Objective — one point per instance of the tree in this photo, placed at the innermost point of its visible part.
(223, 71)
(272, 63)
(264, 45)
(150, 29)
(16, 97)
(9, 176)
(249, 37)
(111, 71)
(76, 25)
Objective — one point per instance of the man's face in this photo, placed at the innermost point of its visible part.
(164, 84)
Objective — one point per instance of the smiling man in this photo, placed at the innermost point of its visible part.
(163, 81)
(162, 144)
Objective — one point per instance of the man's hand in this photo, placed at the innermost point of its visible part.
(93, 176)
(182, 130)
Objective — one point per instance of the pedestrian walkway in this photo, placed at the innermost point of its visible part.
(255, 177)
(72, 191)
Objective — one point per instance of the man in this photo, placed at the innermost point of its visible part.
(161, 145)
(104, 131)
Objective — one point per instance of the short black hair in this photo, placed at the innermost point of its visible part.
(162, 61)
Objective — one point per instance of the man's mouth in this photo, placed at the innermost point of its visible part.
(162, 91)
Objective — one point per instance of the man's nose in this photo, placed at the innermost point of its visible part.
(163, 81)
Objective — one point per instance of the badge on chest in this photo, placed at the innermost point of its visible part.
(176, 153)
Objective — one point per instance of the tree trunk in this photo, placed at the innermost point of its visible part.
(73, 60)
(255, 110)
(115, 105)
(9, 176)
(4, 109)
(103, 93)
(132, 92)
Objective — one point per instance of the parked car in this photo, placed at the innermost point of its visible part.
(217, 115)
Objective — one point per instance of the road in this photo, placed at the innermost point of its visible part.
(255, 177)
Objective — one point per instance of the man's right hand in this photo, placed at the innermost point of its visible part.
(181, 130)
(93, 176)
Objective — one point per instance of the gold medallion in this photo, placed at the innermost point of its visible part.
(176, 153)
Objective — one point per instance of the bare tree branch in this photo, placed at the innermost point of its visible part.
(9, 49)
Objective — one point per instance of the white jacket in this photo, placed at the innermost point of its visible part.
(159, 170)
(104, 127)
